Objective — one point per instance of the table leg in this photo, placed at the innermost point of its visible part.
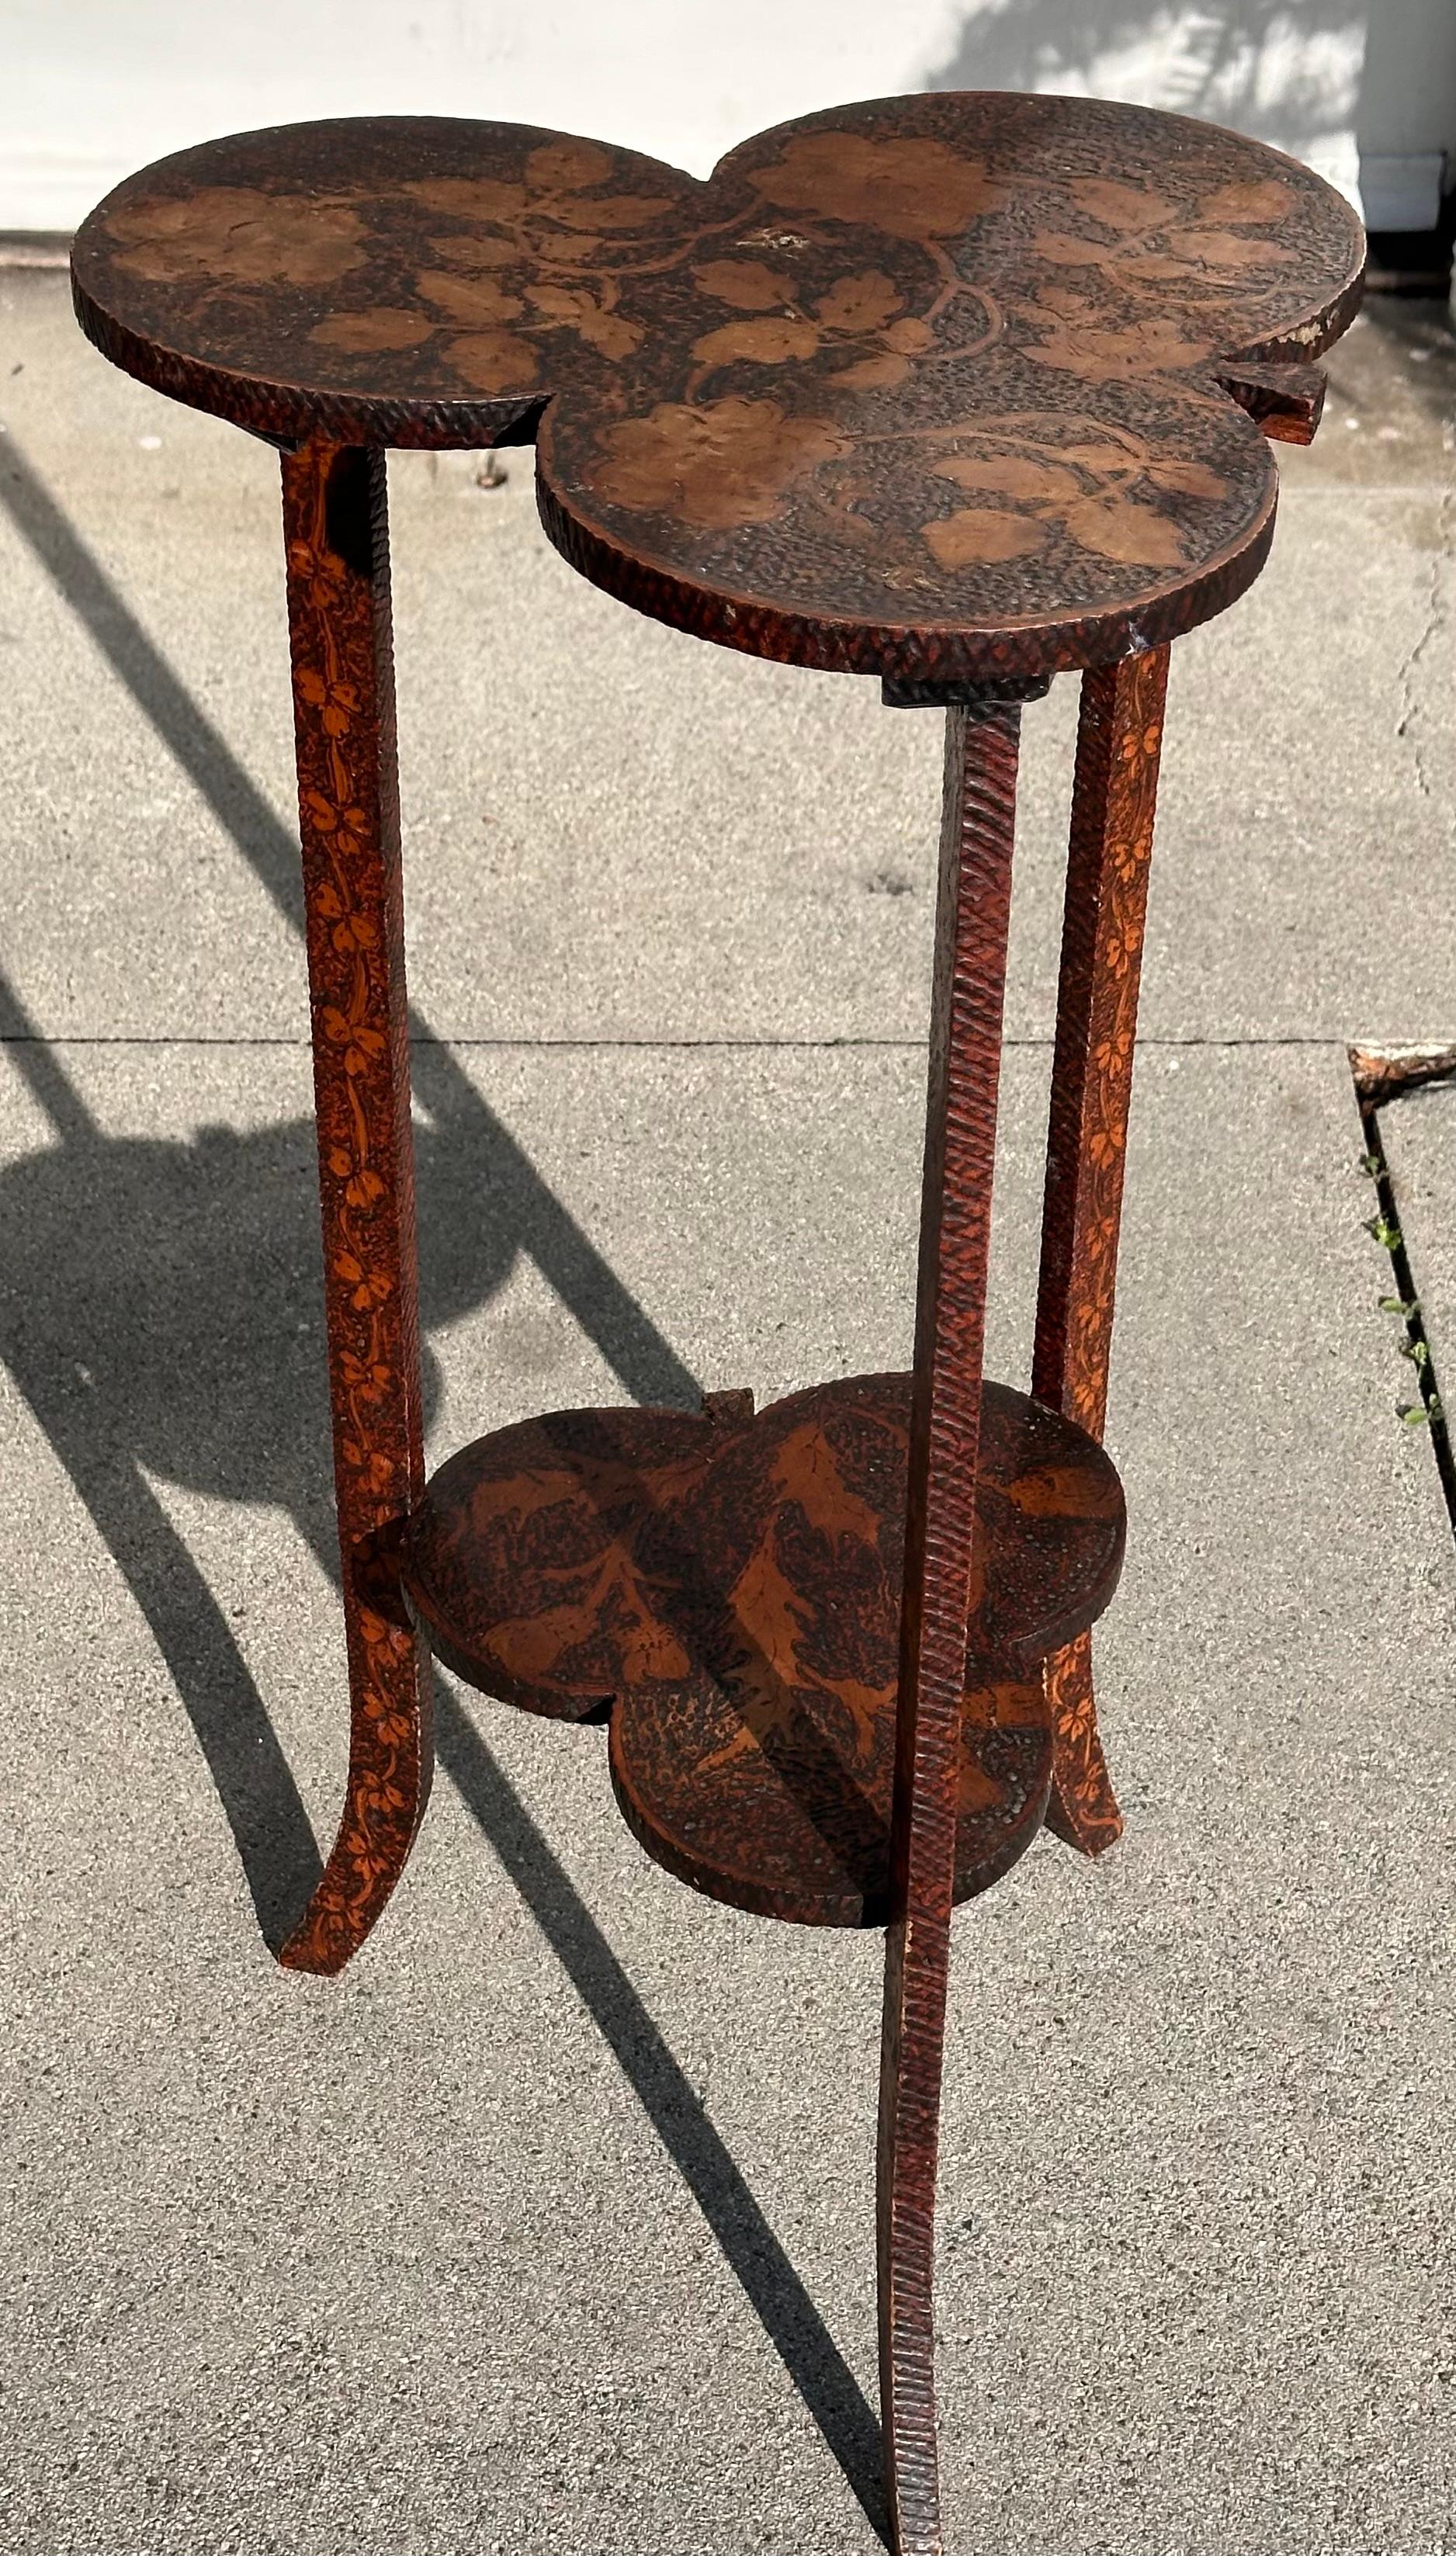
(337, 545)
(1113, 801)
(960, 1135)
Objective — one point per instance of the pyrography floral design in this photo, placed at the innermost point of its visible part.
(1086, 484)
(890, 338)
(365, 1189)
(531, 255)
(1110, 854)
(726, 463)
(240, 235)
(847, 298)
(912, 185)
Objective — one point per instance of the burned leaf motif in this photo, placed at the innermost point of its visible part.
(317, 574)
(730, 462)
(1087, 1809)
(336, 702)
(1112, 1055)
(567, 167)
(239, 235)
(1064, 1491)
(861, 304)
(567, 306)
(358, 932)
(345, 830)
(1250, 199)
(395, 1729)
(1154, 245)
(1118, 204)
(1067, 248)
(1085, 488)
(986, 534)
(744, 284)
(872, 374)
(1187, 478)
(1117, 528)
(336, 663)
(491, 360)
(371, 332)
(470, 301)
(609, 212)
(475, 251)
(471, 199)
(901, 341)
(551, 186)
(1010, 474)
(758, 342)
(913, 186)
(488, 285)
(378, 1796)
(1225, 253)
(362, 1043)
(1073, 342)
(979, 536)
(859, 308)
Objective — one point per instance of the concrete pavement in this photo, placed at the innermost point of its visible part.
(549, 2227)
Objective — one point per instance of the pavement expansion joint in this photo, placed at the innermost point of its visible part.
(1379, 1082)
(31, 1037)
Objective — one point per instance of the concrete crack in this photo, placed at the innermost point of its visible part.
(1379, 1081)
(1407, 725)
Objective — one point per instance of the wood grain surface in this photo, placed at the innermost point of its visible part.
(337, 553)
(732, 1591)
(973, 913)
(1114, 799)
(955, 390)
(931, 386)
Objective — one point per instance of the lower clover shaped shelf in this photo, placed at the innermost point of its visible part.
(727, 1586)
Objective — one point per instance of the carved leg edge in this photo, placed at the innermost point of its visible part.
(337, 554)
(965, 1050)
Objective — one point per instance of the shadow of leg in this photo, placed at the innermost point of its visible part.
(588, 1284)
(500, 1204)
(269, 1826)
(778, 2296)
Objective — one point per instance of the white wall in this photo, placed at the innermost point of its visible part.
(93, 88)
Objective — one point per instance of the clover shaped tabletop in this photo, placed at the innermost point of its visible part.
(950, 388)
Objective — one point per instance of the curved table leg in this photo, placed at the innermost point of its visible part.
(955, 1218)
(337, 543)
(1113, 803)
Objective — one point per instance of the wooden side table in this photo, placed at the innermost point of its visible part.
(956, 391)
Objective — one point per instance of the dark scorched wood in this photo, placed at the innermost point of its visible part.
(1113, 797)
(734, 1592)
(929, 387)
(336, 542)
(955, 390)
(973, 912)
